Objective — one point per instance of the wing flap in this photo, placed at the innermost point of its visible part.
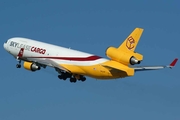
(52, 63)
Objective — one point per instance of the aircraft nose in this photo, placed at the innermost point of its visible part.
(5, 46)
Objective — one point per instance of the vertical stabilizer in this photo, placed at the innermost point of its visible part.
(131, 41)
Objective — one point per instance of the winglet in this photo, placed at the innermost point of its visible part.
(173, 62)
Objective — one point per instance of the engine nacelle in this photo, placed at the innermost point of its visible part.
(134, 61)
(123, 57)
(31, 66)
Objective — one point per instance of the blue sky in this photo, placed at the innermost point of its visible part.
(91, 26)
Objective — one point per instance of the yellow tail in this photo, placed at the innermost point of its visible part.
(131, 41)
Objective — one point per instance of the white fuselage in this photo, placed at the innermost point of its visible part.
(35, 50)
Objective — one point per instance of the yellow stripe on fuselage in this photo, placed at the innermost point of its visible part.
(100, 72)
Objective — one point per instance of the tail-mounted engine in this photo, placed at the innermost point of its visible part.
(31, 66)
(126, 58)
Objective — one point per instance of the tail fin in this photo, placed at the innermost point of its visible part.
(132, 40)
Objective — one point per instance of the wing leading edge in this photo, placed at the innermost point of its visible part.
(145, 68)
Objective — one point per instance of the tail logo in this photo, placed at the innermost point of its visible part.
(130, 43)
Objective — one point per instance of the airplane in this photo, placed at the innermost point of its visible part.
(76, 65)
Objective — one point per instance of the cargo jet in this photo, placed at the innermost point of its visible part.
(75, 65)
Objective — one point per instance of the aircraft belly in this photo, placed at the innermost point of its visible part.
(95, 71)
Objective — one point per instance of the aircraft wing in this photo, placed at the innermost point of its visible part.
(52, 63)
(145, 68)
(56, 65)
